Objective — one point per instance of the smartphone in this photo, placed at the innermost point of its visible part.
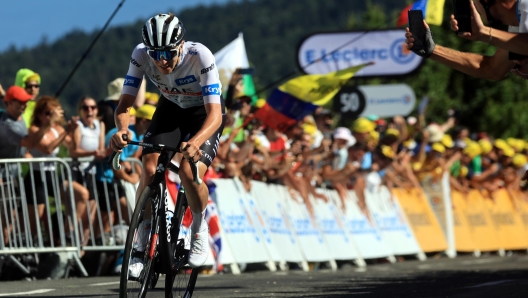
(515, 56)
(417, 28)
(246, 71)
(462, 14)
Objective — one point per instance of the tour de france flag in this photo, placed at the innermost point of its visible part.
(301, 96)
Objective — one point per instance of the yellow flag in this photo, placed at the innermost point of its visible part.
(319, 89)
(434, 12)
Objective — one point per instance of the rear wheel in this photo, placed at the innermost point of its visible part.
(129, 287)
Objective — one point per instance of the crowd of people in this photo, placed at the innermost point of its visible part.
(314, 153)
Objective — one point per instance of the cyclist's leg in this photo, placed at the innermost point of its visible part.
(197, 197)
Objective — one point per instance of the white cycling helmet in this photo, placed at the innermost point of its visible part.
(163, 31)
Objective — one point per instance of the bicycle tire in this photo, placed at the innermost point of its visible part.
(125, 290)
(185, 282)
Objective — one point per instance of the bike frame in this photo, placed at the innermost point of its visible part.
(166, 223)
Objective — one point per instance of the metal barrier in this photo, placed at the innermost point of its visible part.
(37, 209)
(103, 223)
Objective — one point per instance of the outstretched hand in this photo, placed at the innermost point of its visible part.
(477, 26)
(429, 43)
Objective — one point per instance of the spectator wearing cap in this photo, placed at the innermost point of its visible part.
(143, 116)
(13, 128)
(434, 162)
(472, 160)
(361, 129)
(30, 81)
(107, 106)
(151, 98)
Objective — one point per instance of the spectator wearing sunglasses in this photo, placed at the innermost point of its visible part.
(30, 81)
(48, 113)
(88, 141)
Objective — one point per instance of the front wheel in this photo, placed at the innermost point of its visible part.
(129, 287)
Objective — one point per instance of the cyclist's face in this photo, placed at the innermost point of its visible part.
(167, 66)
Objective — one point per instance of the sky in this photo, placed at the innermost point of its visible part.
(25, 23)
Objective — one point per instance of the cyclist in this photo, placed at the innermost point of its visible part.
(190, 105)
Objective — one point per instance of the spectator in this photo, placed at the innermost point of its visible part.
(29, 80)
(88, 140)
(107, 106)
(143, 118)
(48, 113)
(151, 98)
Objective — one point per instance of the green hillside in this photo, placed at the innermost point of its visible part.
(272, 31)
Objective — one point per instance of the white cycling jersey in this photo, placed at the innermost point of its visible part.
(193, 82)
(522, 15)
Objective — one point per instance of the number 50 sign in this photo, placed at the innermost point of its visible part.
(380, 100)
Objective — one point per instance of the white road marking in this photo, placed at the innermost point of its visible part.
(29, 293)
(492, 283)
(105, 283)
(482, 261)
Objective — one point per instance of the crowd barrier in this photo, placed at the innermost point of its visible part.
(30, 223)
(269, 224)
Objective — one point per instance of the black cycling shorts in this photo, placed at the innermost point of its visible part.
(171, 125)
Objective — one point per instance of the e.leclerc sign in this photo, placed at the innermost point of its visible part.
(386, 48)
(381, 100)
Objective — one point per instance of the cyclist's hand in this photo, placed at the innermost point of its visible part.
(191, 150)
(117, 143)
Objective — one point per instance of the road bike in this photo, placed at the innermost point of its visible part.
(167, 250)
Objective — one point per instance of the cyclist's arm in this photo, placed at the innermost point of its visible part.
(211, 92)
(122, 112)
(485, 67)
(131, 87)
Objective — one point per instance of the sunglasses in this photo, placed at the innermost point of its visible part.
(32, 86)
(163, 54)
(87, 108)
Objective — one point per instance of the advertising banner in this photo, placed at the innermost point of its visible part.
(482, 228)
(322, 53)
(437, 190)
(310, 238)
(366, 235)
(274, 212)
(240, 231)
(463, 234)
(391, 220)
(425, 226)
(506, 220)
(254, 212)
(338, 238)
(381, 100)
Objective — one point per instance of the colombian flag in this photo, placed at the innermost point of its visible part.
(301, 96)
(433, 11)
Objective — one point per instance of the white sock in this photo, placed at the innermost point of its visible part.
(198, 223)
(143, 233)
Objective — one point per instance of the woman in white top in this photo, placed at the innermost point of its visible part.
(48, 113)
(88, 141)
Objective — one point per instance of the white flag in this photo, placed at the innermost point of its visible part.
(229, 58)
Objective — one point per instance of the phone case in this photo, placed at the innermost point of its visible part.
(417, 28)
(462, 14)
